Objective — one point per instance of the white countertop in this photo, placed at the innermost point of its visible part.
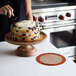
(12, 65)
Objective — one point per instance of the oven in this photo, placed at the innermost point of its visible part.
(57, 18)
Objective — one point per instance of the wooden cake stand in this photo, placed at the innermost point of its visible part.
(26, 49)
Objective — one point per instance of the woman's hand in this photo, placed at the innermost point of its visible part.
(7, 10)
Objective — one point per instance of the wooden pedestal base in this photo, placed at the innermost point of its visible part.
(26, 51)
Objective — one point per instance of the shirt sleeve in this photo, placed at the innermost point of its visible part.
(4, 2)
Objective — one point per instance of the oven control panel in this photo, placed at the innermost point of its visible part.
(54, 16)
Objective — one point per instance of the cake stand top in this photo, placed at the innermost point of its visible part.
(8, 38)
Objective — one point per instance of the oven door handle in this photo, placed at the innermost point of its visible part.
(56, 28)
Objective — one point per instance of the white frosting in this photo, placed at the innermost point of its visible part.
(25, 23)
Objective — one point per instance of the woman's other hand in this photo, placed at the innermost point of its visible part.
(29, 16)
(28, 10)
(7, 10)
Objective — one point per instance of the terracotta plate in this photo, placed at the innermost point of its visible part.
(51, 59)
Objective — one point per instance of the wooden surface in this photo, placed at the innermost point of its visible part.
(8, 38)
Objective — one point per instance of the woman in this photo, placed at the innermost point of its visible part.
(11, 11)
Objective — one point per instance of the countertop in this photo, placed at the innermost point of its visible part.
(12, 65)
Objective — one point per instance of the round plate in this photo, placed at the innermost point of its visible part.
(8, 38)
(51, 59)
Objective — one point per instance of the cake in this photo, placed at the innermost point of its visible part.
(25, 30)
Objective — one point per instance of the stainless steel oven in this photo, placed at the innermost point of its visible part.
(57, 18)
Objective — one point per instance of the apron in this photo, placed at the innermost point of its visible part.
(19, 12)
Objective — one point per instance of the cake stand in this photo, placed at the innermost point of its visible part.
(26, 49)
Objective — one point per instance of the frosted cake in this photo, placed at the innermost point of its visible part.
(25, 30)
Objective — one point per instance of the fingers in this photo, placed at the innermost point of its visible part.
(11, 10)
(7, 9)
(4, 11)
(1, 11)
